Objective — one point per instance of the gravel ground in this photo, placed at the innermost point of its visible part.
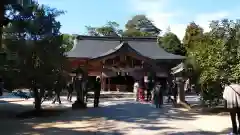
(115, 116)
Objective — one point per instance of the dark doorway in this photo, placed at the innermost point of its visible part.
(123, 80)
(163, 81)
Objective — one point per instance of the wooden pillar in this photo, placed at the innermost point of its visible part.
(109, 85)
(102, 79)
(103, 83)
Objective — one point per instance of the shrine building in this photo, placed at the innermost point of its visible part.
(118, 61)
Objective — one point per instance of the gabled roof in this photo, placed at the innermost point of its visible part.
(124, 47)
(94, 47)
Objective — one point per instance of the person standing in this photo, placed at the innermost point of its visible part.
(160, 94)
(86, 88)
(174, 91)
(57, 91)
(157, 95)
(97, 89)
(169, 92)
(231, 95)
(135, 90)
(1, 86)
(70, 91)
(150, 86)
(187, 86)
(141, 92)
(59, 85)
(147, 83)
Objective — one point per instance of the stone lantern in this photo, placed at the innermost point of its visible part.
(180, 87)
(78, 87)
(178, 73)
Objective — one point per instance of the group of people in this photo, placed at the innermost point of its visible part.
(155, 92)
(74, 84)
(71, 86)
(54, 91)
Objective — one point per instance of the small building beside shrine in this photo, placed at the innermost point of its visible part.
(119, 61)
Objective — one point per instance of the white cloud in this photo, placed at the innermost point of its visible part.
(179, 30)
(204, 19)
(156, 10)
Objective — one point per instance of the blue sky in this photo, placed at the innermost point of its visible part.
(175, 14)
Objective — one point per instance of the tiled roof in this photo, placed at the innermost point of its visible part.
(93, 47)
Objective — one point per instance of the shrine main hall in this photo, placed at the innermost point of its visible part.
(119, 61)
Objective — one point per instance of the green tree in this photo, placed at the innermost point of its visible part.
(219, 50)
(193, 36)
(217, 55)
(68, 42)
(34, 36)
(110, 29)
(193, 33)
(135, 33)
(92, 31)
(171, 44)
(140, 25)
(4, 6)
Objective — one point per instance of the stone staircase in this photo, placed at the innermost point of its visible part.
(113, 94)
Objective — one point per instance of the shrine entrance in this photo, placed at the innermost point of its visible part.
(120, 67)
(122, 72)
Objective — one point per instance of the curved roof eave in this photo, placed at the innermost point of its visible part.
(124, 46)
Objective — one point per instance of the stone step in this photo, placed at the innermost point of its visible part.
(113, 95)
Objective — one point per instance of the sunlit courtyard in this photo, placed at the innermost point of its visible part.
(115, 116)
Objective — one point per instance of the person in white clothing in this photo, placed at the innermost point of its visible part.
(231, 95)
(135, 90)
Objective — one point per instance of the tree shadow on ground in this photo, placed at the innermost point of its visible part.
(141, 113)
(129, 115)
(66, 131)
(9, 110)
(226, 131)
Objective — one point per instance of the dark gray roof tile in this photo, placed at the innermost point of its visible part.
(93, 47)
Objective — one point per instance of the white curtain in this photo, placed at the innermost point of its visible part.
(109, 74)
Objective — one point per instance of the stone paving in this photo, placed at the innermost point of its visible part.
(115, 116)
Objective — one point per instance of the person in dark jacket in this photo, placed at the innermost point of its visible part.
(158, 96)
(169, 92)
(1, 86)
(59, 85)
(97, 89)
(174, 91)
(57, 91)
(70, 91)
(149, 88)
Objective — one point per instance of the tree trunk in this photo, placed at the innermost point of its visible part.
(1, 32)
(1, 24)
(37, 99)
